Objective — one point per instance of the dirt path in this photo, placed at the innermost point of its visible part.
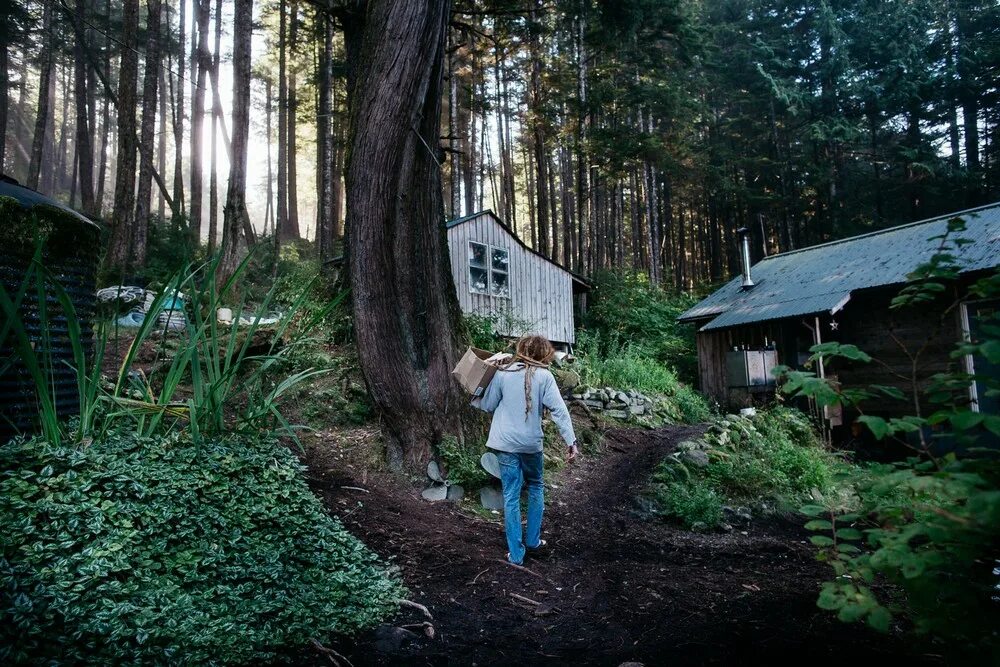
(614, 588)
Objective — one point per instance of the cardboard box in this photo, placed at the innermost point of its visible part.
(474, 372)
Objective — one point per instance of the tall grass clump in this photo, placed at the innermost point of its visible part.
(772, 461)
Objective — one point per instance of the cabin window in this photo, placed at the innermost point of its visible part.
(489, 270)
(499, 260)
(479, 277)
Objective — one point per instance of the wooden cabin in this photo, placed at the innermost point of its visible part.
(841, 291)
(499, 277)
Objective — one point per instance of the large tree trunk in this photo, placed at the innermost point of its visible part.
(105, 114)
(46, 65)
(203, 62)
(405, 309)
(147, 130)
(124, 204)
(235, 212)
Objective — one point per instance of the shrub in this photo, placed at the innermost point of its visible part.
(626, 307)
(151, 550)
(771, 460)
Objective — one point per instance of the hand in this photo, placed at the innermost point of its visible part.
(573, 452)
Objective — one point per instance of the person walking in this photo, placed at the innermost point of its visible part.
(516, 396)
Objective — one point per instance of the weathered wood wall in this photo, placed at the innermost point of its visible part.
(541, 293)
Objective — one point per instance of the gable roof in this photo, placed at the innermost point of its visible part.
(821, 278)
(580, 283)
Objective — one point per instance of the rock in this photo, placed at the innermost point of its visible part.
(389, 638)
(689, 445)
(596, 405)
(491, 498)
(699, 527)
(622, 396)
(566, 379)
(737, 514)
(696, 457)
(617, 405)
(490, 464)
(435, 493)
(725, 526)
(617, 414)
(637, 409)
(723, 438)
(434, 472)
(455, 492)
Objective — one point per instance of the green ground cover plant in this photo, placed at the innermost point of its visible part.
(166, 550)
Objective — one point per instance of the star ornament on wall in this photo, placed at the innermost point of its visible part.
(834, 325)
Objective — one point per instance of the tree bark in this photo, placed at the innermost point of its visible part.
(84, 130)
(293, 231)
(201, 59)
(405, 309)
(147, 130)
(179, 124)
(269, 207)
(324, 142)
(124, 204)
(213, 178)
(46, 66)
(234, 215)
(4, 91)
(281, 229)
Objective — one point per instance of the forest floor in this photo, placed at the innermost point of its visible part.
(615, 586)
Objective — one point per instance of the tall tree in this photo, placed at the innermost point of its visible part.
(179, 113)
(213, 178)
(146, 133)
(293, 231)
(84, 128)
(234, 215)
(405, 309)
(122, 222)
(324, 140)
(202, 62)
(46, 65)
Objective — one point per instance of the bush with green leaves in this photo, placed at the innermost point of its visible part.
(625, 306)
(160, 550)
(929, 524)
(773, 460)
(461, 463)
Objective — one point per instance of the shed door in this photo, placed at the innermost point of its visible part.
(978, 314)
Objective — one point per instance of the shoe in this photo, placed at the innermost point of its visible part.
(511, 561)
(541, 545)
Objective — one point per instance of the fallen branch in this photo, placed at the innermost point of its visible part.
(416, 605)
(332, 655)
(355, 488)
(524, 599)
(473, 582)
(522, 569)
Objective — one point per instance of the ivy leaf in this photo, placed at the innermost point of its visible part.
(879, 619)
(965, 420)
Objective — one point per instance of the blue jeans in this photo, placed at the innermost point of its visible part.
(515, 471)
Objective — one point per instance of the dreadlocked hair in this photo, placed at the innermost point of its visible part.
(534, 352)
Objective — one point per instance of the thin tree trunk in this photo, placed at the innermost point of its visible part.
(282, 228)
(161, 148)
(84, 130)
(146, 138)
(324, 216)
(179, 124)
(294, 231)
(124, 203)
(234, 216)
(405, 308)
(46, 66)
(269, 208)
(201, 60)
(213, 178)
(4, 91)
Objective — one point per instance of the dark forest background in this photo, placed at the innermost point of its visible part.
(635, 134)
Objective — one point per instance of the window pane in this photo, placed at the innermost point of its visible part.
(477, 255)
(500, 285)
(477, 281)
(500, 257)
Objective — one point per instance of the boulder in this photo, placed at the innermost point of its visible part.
(637, 409)
(696, 457)
(617, 414)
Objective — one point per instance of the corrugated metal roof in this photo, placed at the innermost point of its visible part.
(821, 278)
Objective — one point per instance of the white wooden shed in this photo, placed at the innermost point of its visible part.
(498, 276)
